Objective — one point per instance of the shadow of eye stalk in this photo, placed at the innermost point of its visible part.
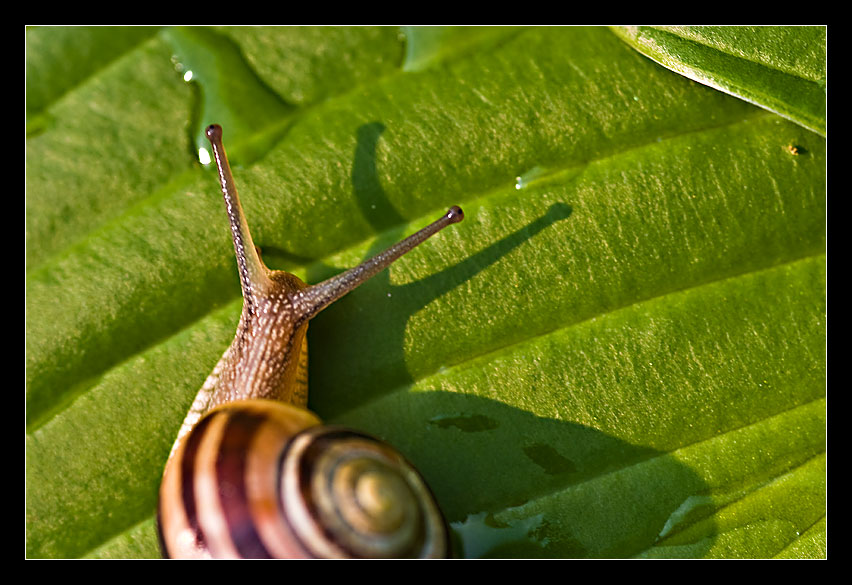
(363, 334)
(366, 187)
(558, 212)
(511, 483)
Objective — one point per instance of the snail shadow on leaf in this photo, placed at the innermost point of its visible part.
(375, 316)
(511, 484)
(554, 488)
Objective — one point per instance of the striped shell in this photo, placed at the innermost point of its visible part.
(263, 479)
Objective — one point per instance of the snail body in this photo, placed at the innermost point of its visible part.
(252, 473)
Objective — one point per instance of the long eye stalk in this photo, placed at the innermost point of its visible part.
(253, 273)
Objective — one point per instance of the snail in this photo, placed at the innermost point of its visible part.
(252, 473)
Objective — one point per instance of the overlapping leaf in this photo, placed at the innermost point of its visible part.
(780, 68)
(620, 351)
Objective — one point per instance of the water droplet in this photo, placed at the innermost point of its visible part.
(482, 532)
(176, 63)
(204, 156)
(692, 508)
(187, 76)
(549, 459)
(528, 177)
(469, 423)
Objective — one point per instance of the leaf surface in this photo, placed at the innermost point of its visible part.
(620, 351)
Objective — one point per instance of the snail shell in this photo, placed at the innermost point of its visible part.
(252, 473)
(263, 479)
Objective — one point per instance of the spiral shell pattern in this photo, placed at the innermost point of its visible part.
(262, 479)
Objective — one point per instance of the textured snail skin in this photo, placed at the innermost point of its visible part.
(252, 474)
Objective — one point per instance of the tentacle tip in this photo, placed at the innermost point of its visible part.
(455, 214)
(214, 132)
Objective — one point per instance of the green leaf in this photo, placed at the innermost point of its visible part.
(619, 353)
(59, 58)
(780, 68)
